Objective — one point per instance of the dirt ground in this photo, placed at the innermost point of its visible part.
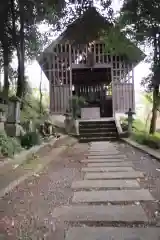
(26, 213)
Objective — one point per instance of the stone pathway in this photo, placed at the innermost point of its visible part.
(107, 204)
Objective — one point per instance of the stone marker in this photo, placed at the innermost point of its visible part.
(107, 169)
(103, 214)
(115, 175)
(101, 160)
(91, 184)
(103, 233)
(112, 196)
(107, 156)
(110, 164)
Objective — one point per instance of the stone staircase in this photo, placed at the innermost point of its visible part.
(105, 130)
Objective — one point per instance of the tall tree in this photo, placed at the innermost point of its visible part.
(142, 21)
(19, 28)
(5, 42)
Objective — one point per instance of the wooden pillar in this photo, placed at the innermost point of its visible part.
(133, 86)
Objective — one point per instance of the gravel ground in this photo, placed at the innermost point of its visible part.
(26, 213)
(151, 167)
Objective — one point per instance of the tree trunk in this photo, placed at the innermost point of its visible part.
(41, 97)
(6, 67)
(154, 110)
(21, 55)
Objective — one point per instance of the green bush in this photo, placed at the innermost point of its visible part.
(30, 139)
(143, 138)
(77, 103)
(9, 146)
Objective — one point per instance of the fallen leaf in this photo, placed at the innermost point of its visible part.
(156, 213)
(36, 175)
(15, 166)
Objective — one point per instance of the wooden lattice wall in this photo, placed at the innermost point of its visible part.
(59, 73)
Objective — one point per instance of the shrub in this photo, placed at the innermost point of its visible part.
(9, 146)
(143, 138)
(30, 139)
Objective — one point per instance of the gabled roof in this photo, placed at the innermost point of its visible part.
(88, 28)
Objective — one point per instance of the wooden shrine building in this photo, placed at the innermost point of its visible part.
(78, 63)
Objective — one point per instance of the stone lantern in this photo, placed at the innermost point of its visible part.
(13, 111)
(130, 119)
(13, 127)
(3, 110)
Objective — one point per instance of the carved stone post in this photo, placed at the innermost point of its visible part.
(3, 110)
(13, 127)
(130, 119)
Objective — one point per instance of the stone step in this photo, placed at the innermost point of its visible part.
(102, 160)
(110, 164)
(103, 214)
(112, 196)
(108, 184)
(98, 138)
(114, 175)
(102, 153)
(106, 156)
(103, 233)
(93, 149)
(108, 169)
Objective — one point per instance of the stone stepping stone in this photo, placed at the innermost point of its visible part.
(103, 153)
(111, 148)
(103, 214)
(104, 233)
(114, 175)
(103, 150)
(108, 169)
(110, 164)
(106, 156)
(102, 160)
(108, 184)
(112, 196)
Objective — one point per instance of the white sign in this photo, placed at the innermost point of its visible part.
(90, 113)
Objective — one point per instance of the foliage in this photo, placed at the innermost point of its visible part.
(141, 19)
(9, 146)
(137, 124)
(147, 83)
(141, 135)
(76, 104)
(30, 139)
(19, 29)
(153, 141)
(117, 43)
(30, 107)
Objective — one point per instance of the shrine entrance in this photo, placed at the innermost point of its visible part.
(95, 85)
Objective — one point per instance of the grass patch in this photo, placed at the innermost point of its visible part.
(9, 146)
(144, 138)
(140, 134)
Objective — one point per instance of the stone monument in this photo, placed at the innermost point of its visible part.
(130, 119)
(3, 110)
(12, 126)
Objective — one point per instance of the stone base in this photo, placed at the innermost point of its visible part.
(1, 126)
(71, 126)
(14, 130)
